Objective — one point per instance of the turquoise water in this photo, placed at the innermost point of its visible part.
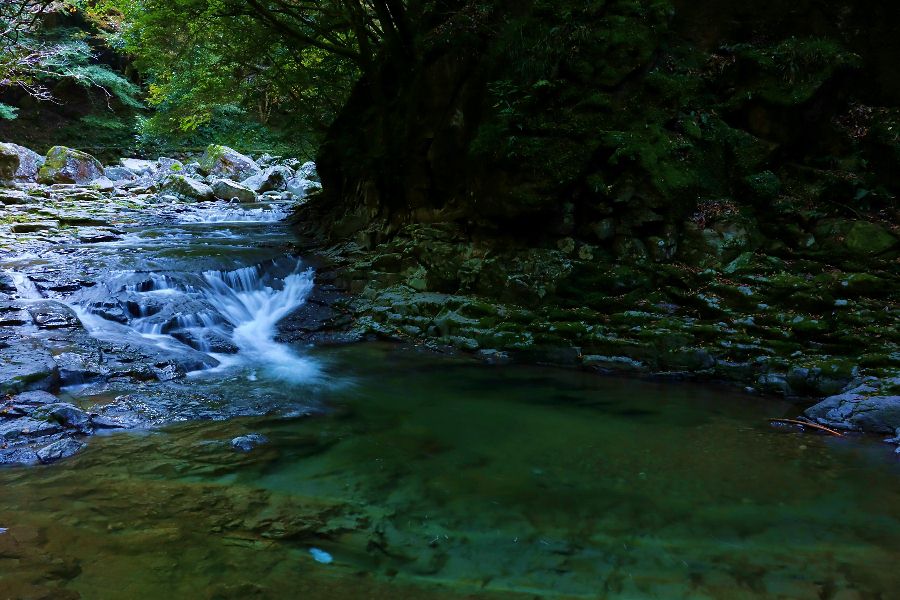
(430, 477)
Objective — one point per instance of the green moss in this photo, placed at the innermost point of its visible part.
(790, 72)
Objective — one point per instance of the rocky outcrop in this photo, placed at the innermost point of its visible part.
(65, 165)
(227, 189)
(652, 194)
(225, 162)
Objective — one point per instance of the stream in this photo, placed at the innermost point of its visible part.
(385, 471)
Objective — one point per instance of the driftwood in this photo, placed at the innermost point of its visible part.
(808, 424)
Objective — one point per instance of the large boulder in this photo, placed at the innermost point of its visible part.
(225, 162)
(9, 163)
(231, 190)
(305, 180)
(65, 165)
(871, 406)
(169, 165)
(868, 238)
(119, 173)
(29, 162)
(138, 166)
(187, 188)
(273, 179)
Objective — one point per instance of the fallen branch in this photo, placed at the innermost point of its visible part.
(808, 424)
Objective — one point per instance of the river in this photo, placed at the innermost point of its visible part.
(386, 471)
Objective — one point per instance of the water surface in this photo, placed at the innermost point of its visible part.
(428, 477)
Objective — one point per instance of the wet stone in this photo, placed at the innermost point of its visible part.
(33, 227)
(27, 428)
(59, 449)
(18, 456)
(65, 414)
(54, 315)
(26, 366)
(34, 398)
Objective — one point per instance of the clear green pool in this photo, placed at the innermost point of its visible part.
(439, 478)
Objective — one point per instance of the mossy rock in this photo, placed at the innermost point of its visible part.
(866, 238)
(66, 165)
(222, 161)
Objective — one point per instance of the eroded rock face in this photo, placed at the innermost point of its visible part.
(29, 162)
(227, 189)
(225, 162)
(65, 165)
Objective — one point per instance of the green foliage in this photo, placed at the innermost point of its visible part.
(789, 72)
(8, 112)
(113, 84)
(216, 73)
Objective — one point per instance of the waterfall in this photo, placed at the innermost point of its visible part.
(253, 309)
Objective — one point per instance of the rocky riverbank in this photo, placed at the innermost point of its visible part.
(822, 324)
(678, 189)
(87, 241)
(88, 247)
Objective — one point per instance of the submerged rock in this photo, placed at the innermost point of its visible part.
(66, 165)
(227, 189)
(222, 161)
(246, 443)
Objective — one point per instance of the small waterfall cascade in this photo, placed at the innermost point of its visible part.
(229, 315)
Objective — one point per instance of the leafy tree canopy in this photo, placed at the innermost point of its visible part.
(38, 49)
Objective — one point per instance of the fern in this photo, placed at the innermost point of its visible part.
(8, 112)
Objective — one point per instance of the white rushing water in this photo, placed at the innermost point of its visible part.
(253, 309)
(218, 214)
(238, 308)
(25, 288)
